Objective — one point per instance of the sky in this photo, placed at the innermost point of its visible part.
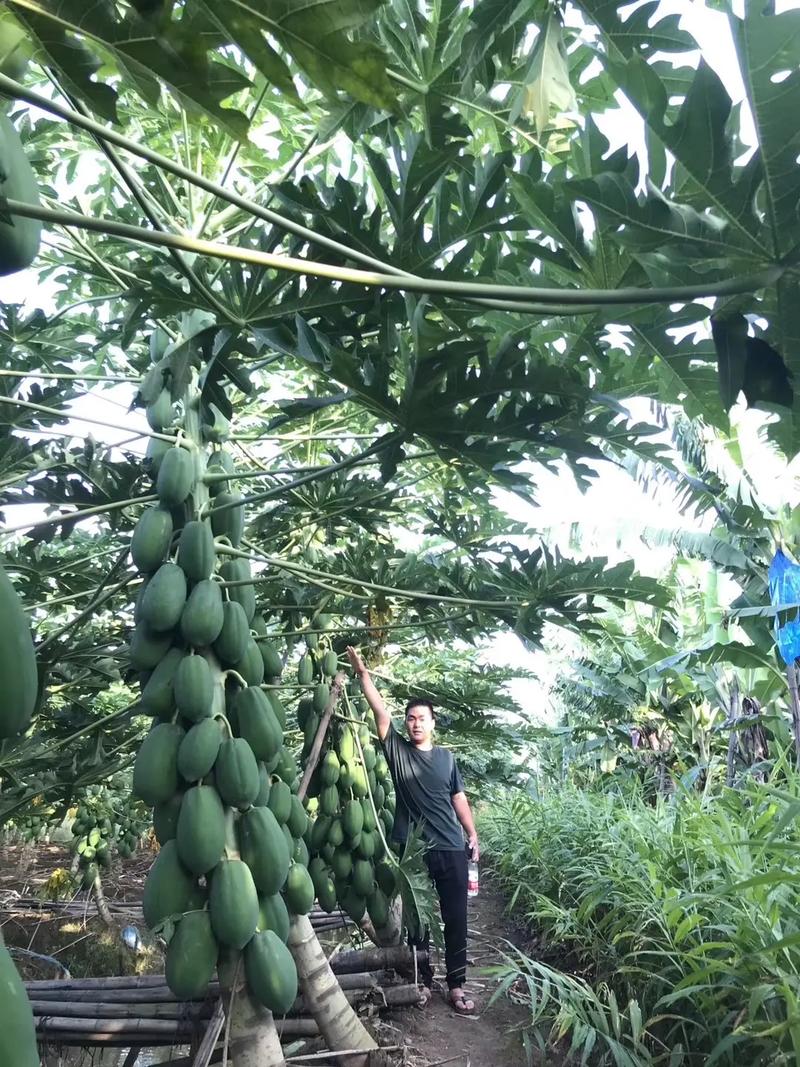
(614, 505)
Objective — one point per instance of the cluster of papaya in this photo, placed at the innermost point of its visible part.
(103, 820)
(349, 793)
(36, 815)
(231, 869)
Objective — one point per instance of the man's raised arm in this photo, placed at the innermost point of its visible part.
(383, 719)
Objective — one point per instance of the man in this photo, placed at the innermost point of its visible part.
(430, 795)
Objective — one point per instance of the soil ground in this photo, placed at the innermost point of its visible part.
(432, 1037)
(436, 1035)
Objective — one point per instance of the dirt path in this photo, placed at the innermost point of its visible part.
(436, 1035)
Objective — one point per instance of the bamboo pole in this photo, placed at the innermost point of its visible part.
(82, 1009)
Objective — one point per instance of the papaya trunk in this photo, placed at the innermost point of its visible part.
(334, 1015)
(253, 1040)
(100, 901)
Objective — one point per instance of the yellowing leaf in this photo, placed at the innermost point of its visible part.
(547, 84)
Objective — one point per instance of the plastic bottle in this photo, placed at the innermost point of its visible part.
(473, 881)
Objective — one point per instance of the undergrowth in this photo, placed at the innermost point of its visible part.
(682, 917)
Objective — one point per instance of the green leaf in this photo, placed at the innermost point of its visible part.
(730, 341)
(546, 84)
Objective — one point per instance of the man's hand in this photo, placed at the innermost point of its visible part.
(356, 662)
(474, 850)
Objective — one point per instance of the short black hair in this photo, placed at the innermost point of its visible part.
(416, 702)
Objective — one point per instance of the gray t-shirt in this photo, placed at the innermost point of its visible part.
(424, 783)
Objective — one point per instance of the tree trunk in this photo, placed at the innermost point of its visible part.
(733, 740)
(100, 901)
(338, 1023)
(253, 1041)
(791, 675)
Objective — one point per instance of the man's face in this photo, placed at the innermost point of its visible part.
(419, 724)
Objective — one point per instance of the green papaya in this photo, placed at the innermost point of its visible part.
(199, 749)
(196, 554)
(320, 697)
(353, 904)
(151, 539)
(273, 664)
(305, 709)
(278, 708)
(159, 414)
(264, 849)
(165, 818)
(238, 570)
(305, 669)
(286, 768)
(169, 888)
(271, 973)
(18, 670)
(231, 643)
(233, 903)
(264, 783)
(176, 476)
(200, 834)
(326, 894)
(378, 908)
(300, 853)
(193, 687)
(156, 450)
(147, 649)
(298, 820)
(347, 745)
(18, 1032)
(329, 770)
(353, 818)
(251, 665)
(336, 833)
(320, 829)
(299, 890)
(329, 800)
(158, 694)
(342, 863)
(203, 616)
(370, 756)
(280, 800)
(367, 845)
(221, 462)
(164, 598)
(369, 823)
(227, 517)
(191, 956)
(363, 877)
(330, 661)
(19, 237)
(236, 773)
(274, 915)
(257, 723)
(155, 772)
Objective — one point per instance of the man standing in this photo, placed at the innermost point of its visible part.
(430, 795)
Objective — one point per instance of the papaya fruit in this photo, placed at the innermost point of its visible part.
(155, 771)
(191, 956)
(238, 570)
(18, 1032)
(280, 800)
(203, 615)
(299, 890)
(196, 554)
(330, 661)
(386, 877)
(156, 450)
(19, 237)
(370, 756)
(165, 818)
(353, 818)
(329, 768)
(176, 476)
(320, 829)
(367, 845)
(251, 665)
(359, 783)
(305, 669)
(278, 708)
(221, 462)
(274, 915)
(158, 694)
(300, 854)
(257, 723)
(273, 664)
(236, 773)
(159, 414)
(151, 539)
(342, 863)
(320, 697)
(146, 648)
(264, 849)
(378, 908)
(369, 823)
(329, 800)
(286, 768)
(298, 820)
(353, 904)
(227, 517)
(271, 973)
(164, 598)
(199, 749)
(336, 833)
(169, 888)
(232, 640)
(363, 877)
(326, 894)
(194, 688)
(233, 903)
(264, 783)
(200, 834)
(305, 709)
(18, 671)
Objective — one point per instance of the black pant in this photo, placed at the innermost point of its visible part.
(448, 870)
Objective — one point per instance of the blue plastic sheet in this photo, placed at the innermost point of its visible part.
(784, 588)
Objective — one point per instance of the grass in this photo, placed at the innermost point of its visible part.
(682, 919)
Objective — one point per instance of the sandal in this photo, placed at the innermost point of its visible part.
(462, 1005)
